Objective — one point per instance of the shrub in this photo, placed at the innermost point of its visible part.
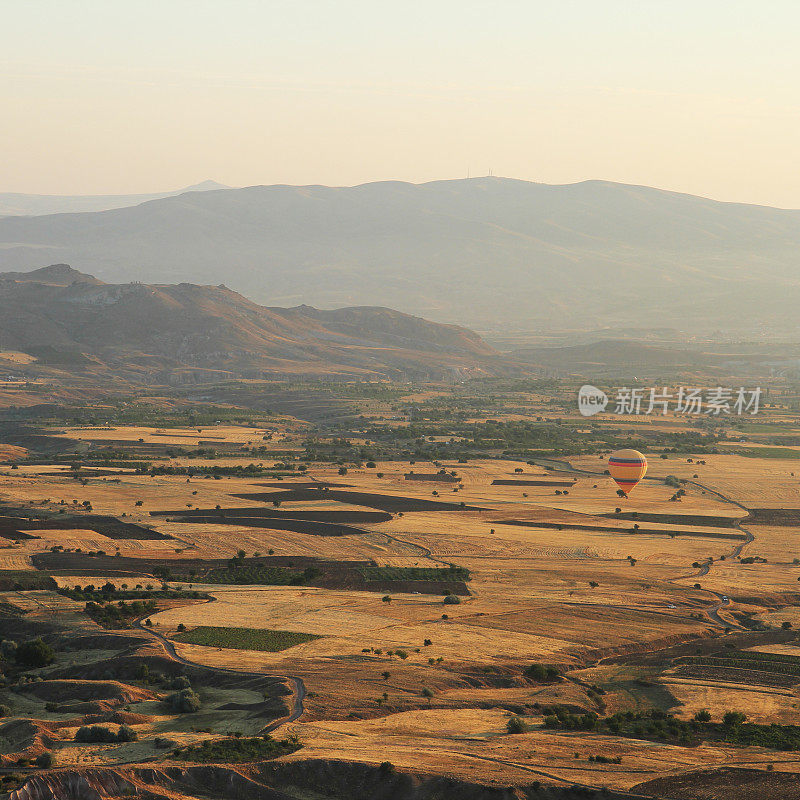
(702, 716)
(5, 711)
(34, 653)
(44, 760)
(185, 701)
(452, 600)
(732, 718)
(606, 759)
(237, 750)
(181, 682)
(541, 672)
(516, 725)
(126, 734)
(8, 648)
(95, 733)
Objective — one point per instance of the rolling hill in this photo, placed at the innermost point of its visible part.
(491, 253)
(186, 333)
(18, 204)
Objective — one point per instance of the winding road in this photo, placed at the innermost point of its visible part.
(298, 687)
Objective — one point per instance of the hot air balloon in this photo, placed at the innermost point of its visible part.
(627, 468)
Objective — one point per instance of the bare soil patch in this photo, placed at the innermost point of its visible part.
(728, 782)
(749, 677)
(13, 527)
(619, 529)
(700, 520)
(512, 482)
(383, 502)
(789, 517)
(223, 514)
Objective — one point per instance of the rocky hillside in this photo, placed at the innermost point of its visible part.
(187, 332)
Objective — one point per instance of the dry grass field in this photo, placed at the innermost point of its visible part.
(562, 572)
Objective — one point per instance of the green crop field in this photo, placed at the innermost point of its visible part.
(244, 638)
(765, 452)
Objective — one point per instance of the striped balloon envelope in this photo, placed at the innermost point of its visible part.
(627, 468)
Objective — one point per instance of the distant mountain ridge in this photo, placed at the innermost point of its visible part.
(186, 332)
(490, 253)
(18, 204)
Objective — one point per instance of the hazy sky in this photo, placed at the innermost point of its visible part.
(108, 96)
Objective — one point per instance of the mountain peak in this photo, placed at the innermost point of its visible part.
(53, 275)
(205, 186)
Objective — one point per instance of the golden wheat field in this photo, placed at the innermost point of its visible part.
(561, 571)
